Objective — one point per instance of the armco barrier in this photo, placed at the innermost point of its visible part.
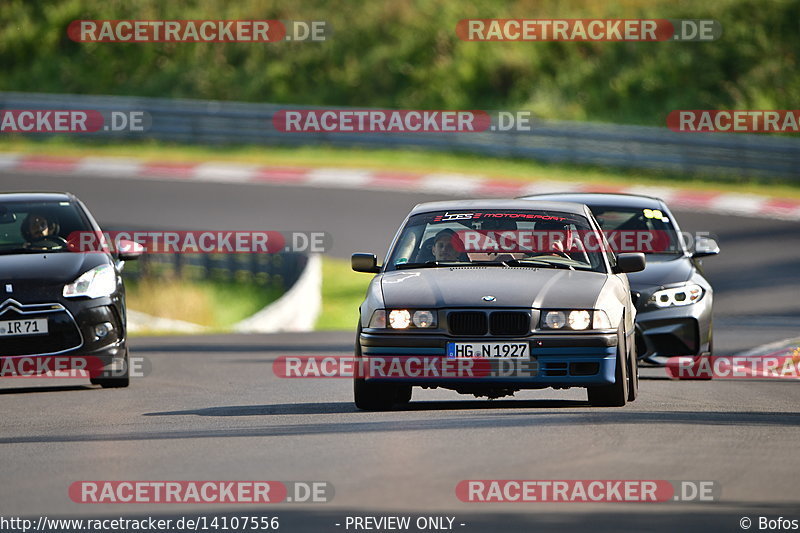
(218, 122)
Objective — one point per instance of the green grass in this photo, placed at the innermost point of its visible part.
(201, 302)
(342, 293)
(215, 304)
(397, 160)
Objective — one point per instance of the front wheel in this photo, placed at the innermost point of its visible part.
(375, 396)
(114, 378)
(633, 375)
(616, 394)
(403, 395)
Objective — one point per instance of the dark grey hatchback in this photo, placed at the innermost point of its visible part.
(673, 298)
(473, 281)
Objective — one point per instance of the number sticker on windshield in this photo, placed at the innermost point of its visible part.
(653, 213)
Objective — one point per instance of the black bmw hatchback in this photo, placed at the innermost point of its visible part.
(58, 303)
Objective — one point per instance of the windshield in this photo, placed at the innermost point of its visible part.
(497, 237)
(36, 227)
(630, 229)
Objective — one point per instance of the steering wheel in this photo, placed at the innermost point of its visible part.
(47, 243)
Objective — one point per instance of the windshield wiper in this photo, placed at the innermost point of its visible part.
(432, 264)
(537, 262)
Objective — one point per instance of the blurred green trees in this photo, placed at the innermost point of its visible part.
(405, 54)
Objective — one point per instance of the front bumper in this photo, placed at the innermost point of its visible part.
(71, 341)
(556, 360)
(674, 331)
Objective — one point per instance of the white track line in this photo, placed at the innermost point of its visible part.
(224, 172)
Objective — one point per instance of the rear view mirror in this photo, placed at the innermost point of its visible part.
(626, 263)
(365, 263)
(705, 246)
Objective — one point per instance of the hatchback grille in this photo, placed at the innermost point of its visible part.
(63, 334)
(509, 323)
(468, 323)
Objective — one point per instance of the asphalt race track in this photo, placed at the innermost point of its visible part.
(212, 408)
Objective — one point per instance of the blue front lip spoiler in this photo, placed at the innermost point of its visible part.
(550, 369)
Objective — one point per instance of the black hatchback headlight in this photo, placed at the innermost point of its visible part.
(94, 283)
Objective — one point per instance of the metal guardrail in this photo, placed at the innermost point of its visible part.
(219, 122)
(279, 270)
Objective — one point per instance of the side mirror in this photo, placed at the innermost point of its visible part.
(129, 250)
(705, 246)
(365, 263)
(626, 263)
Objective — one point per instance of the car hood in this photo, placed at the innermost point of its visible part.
(511, 287)
(658, 273)
(62, 267)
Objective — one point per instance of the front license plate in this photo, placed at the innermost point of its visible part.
(508, 350)
(33, 326)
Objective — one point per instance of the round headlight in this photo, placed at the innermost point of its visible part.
(579, 319)
(423, 319)
(554, 319)
(400, 319)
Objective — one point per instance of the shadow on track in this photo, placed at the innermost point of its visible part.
(59, 388)
(246, 348)
(376, 422)
(348, 407)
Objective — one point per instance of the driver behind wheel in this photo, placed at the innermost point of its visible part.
(36, 227)
(559, 239)
(444, 249)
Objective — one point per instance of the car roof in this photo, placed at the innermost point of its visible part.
(494, 203)
(36, 197)
(600, 198)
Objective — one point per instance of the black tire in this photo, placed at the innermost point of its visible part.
(372, 396)
(403, 395)
(118, 381)
(633, 375)
(616, 394)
